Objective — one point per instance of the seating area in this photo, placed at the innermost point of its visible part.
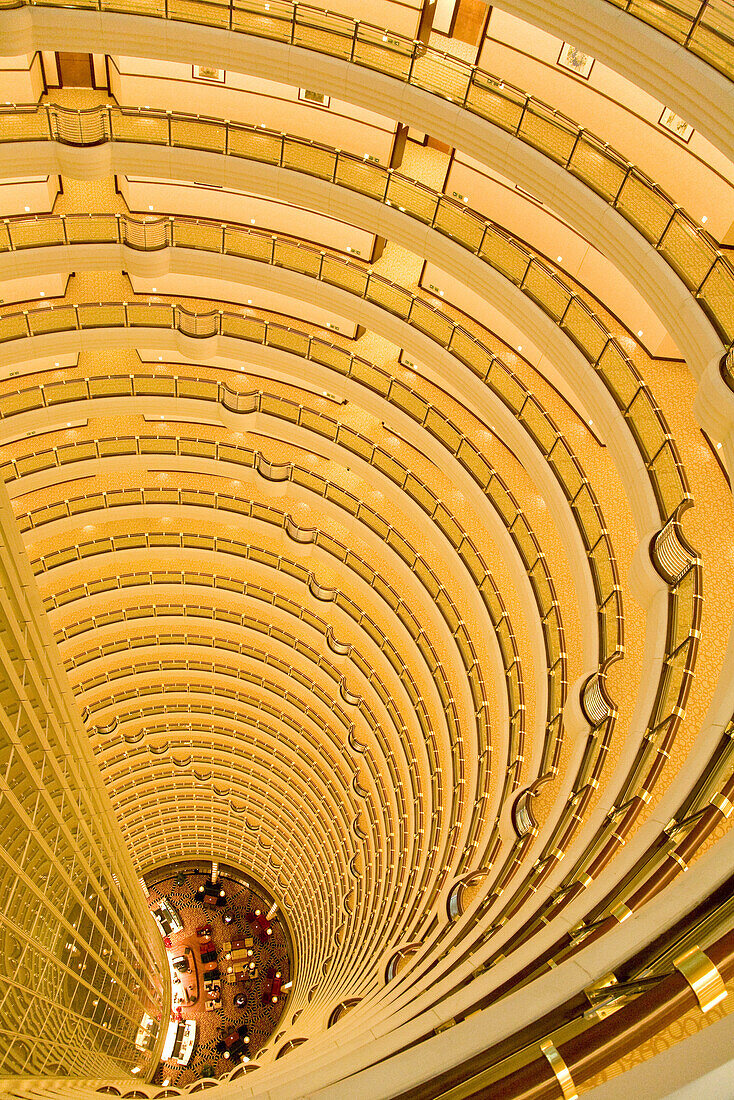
(212, 895)
(234, 1046)
(262, 925)
(236, 959)
(273, 986)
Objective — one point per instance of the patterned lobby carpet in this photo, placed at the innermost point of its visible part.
(261, 1019)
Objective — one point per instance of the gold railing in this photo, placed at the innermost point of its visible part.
(50, 394)
(46, 320)
(686, 246)
(409, 401)
(357, 279)
(573, 315)
(116, 386)
(121, 446)
(385, 387)
(705, 27)
(331, 546)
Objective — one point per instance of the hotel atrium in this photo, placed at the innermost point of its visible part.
(367, 548)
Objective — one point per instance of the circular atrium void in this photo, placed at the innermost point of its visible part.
(231, 959)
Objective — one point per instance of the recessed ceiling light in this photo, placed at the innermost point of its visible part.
(704, 218)
(42, 293)
(639, 332)
(28, 210)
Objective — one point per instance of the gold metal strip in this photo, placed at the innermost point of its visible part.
(703, 978)
(559, 1067)
(679, 860)
(621, 912)
(721, 802)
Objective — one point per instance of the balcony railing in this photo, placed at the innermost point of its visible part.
(546, 289)
(686, 246)
(705, 27)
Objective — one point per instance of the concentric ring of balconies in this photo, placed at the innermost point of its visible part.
(411, 558)
(545, 129)
(686, 639)
(127, 132)
(484, 97)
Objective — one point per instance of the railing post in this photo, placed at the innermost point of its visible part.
(627, 174)
(522, 115)
(569, 303)
(577, 139)
(694, 23)
(659, 242)
(469, 85)
(416, 51)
